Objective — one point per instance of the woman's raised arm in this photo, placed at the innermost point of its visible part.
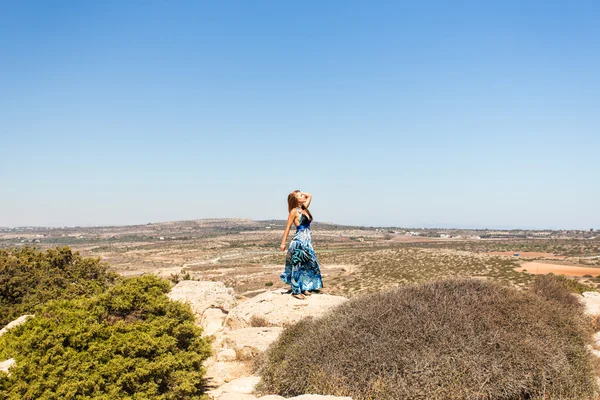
(308, 199)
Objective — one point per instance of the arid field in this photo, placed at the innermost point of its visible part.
(354, 260)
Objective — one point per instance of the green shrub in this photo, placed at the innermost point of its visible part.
(29, 277)
(453, 339)
(130, 342)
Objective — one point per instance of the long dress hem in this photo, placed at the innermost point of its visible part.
(302, 270)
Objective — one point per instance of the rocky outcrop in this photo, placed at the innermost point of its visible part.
(221, 372)
(212, 321)
(591, 302)
(242, 331)
(202, 295)
(243, 396)
(5, 365)
(19, 321)
(318, 397)
(210, 302)
(243, 385)
(237, 396)
(277, 308)
(242, 389)
(249, 342)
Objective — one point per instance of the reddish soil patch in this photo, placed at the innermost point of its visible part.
(535, 267)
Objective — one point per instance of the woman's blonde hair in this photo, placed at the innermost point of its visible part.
(293, 203)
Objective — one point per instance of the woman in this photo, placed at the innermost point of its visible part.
(302, 269)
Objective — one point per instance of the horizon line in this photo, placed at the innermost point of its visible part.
(425, 226)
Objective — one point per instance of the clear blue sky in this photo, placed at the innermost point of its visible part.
(429, 113)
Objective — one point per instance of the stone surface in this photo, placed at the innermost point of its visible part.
(244, 385)
(236, 396)
(237, 340)
(212, 321)
(251, 341)
(318, 397)
(591, 302)
(202, 295)
(226, 355)
(246, 354)
(241, 385)
(280, 309)
(593, 351)
(15, 323)
(220, 372)
(5, 365)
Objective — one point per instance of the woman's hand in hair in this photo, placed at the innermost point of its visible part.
(308, 199)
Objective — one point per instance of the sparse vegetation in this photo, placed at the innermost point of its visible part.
(440, 340)
(259, 322)
(389, 268)
(182, 276)
(559, 247)
(355, 260)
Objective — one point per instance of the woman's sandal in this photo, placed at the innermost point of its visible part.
(299, 296)
(306, 293)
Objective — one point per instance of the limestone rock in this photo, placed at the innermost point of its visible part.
(236, 396)
(220, 372)
(226, 355)
(5, 365)
(319, 397)
(277, 308)
(202, 295)
(272, 397)
(238, 386)
(212, 321)
(591, 302)
(593, 351)
(249, 342)
(15, 323)
(241, 385)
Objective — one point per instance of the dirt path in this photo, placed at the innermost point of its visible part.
(535, 267)
(526, 254)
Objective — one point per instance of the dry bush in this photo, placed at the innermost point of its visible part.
(246, 354)
(559, 288)
(452, 339)
(259, 322)
(595, 323)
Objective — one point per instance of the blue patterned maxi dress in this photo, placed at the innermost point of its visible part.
(302, 269)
